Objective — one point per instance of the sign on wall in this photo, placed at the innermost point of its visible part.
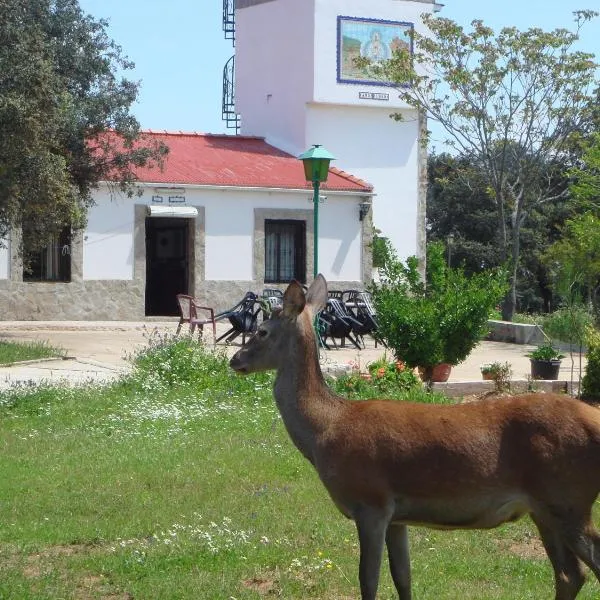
(374, 39)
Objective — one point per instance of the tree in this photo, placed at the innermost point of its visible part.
(510, 101)
(461, 212)
(60, 92)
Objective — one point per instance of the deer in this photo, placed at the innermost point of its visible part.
(392, 464)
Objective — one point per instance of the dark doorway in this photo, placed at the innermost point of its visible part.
(167, 264)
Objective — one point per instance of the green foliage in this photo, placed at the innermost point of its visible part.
(438, 322)
(384, 379)
(569, 324)
(170, 361)
(585, 187)
(500, 373)
(590, 384)
(575, 258)
(382, 250)
(515, 100)
(545, 352)
(11, 352)
(61, 88)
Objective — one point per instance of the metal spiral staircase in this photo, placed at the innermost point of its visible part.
(231, 118)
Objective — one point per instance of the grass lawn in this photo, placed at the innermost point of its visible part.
(180, 482)
(12, 352)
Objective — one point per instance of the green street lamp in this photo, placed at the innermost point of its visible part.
(316, 168)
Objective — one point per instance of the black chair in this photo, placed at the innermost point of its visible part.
(334, 321)
(242, 317)
(271, 299)
(360, 305)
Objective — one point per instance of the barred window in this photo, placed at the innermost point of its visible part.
(52, 263)
(285, 251)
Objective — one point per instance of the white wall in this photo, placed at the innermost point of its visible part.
(230, 232)
(108, 238)
(381, 151)
(4, 259)
(274, 69)
(277, 43)
(326, 87)
(108, 248)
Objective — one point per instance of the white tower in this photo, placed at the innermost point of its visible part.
(297, 85)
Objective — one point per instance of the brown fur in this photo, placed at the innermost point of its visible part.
(391, 464)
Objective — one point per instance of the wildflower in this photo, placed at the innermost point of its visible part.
(381, 372)
(366, 376)
(400, 366)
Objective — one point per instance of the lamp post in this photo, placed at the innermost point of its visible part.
(316, 168)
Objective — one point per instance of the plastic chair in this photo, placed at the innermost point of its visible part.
(189, 313)
(242, 317)
(334, 321)
(360, 305)
(271, 299)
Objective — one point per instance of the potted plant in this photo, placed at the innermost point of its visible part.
(499, 373)
(438, 321)
(545, 361)
(488, 370)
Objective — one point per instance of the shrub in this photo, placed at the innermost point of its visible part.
(170, 361)
(437, 322)
(545, 352)
(569, 324)
(590, 384)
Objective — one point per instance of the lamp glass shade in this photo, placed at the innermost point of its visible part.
(316, 163)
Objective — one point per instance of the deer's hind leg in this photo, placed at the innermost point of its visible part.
(396, 539)
(569, 575)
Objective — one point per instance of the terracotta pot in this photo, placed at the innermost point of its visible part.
(487, 375)
(544, 369)
(436, 373)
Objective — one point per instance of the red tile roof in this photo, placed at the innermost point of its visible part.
(229, 160)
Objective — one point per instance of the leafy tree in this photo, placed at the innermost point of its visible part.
(461, 212)
(586, 176)
(510, 101)
(60, 92)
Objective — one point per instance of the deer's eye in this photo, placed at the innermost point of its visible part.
(262, 333)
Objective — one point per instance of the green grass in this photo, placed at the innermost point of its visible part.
(12, 352)
(180, 482)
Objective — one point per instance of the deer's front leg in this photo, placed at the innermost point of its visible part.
(396, 539)
(372, 525)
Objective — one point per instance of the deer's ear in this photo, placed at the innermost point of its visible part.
(316, 297)
(293, 300)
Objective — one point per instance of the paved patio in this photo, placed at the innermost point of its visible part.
(100, 351)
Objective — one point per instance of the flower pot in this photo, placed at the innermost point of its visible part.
(544, 369)
(436, 373)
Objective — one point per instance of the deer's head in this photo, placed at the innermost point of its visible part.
(269, 346)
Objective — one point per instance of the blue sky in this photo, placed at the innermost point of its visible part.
(179, 49)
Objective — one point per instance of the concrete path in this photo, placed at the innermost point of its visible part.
(99, 351)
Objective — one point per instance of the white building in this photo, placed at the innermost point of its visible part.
(296, 84)
(233, 213)
(227, 214)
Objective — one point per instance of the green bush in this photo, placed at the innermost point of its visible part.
(437, 322)
(569, 324)
(385, 379)
(171, 361)
(590, 384)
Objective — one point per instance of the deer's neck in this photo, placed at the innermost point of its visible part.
(307, 406)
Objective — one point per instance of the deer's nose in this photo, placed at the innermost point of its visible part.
(236, 363)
